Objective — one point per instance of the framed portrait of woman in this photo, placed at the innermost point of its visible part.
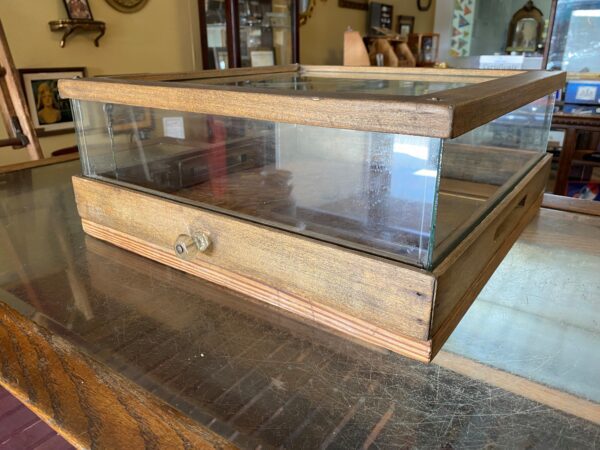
(50, 113)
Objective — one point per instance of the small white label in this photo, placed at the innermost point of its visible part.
(506, 62)
(586, 93)
(173, 127)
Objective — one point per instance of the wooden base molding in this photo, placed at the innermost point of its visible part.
(306, 309)
(374, 300)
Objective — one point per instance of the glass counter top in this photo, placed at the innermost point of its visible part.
(521, 369)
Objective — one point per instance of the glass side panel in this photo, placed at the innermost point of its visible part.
(575, 42)
(297, 82)
(370, 191)
(480, 167)
(265, 32)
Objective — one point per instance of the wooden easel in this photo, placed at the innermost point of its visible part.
(15, 114)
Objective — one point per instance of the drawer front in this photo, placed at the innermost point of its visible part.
(365, 296)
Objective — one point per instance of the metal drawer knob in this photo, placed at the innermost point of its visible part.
(187, 247)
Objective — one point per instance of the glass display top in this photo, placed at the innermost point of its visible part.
(575, 41)
(313, 83)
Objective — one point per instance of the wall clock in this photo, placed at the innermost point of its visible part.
(127, 6)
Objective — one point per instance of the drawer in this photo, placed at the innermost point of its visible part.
(379, 301)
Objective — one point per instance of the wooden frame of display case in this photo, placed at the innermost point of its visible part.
(444, 114)
(377, 300)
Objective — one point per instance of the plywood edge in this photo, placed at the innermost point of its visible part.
(545, 395)
(306, 309)
(450, 322)
(250, 307)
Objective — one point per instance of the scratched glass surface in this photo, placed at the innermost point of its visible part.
(521, 370)
(389, 194)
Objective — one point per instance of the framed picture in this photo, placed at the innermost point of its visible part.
(405, 25)
(78, 9)
(354, 4)
(48, 111)
(262, 58)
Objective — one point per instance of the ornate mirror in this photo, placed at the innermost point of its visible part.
(525, 30)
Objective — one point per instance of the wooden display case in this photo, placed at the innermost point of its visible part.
(375, 202)
(232, 31)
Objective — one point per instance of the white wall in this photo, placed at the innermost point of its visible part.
(442, 24)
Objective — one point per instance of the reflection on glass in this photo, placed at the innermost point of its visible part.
(575, 44)
(216, 35)
(525, 38)
(388, 194)
(480, 167)
(296, 82)
(265, 32)
(370, 190)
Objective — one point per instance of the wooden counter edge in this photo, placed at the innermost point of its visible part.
(84, 401)
(39, 163)
(570, 204)
(523, 387)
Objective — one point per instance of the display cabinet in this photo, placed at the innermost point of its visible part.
(574, 43)
(248, 33)
(574, 46)
(372, 201)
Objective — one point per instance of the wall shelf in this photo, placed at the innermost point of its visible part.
(69, 26)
